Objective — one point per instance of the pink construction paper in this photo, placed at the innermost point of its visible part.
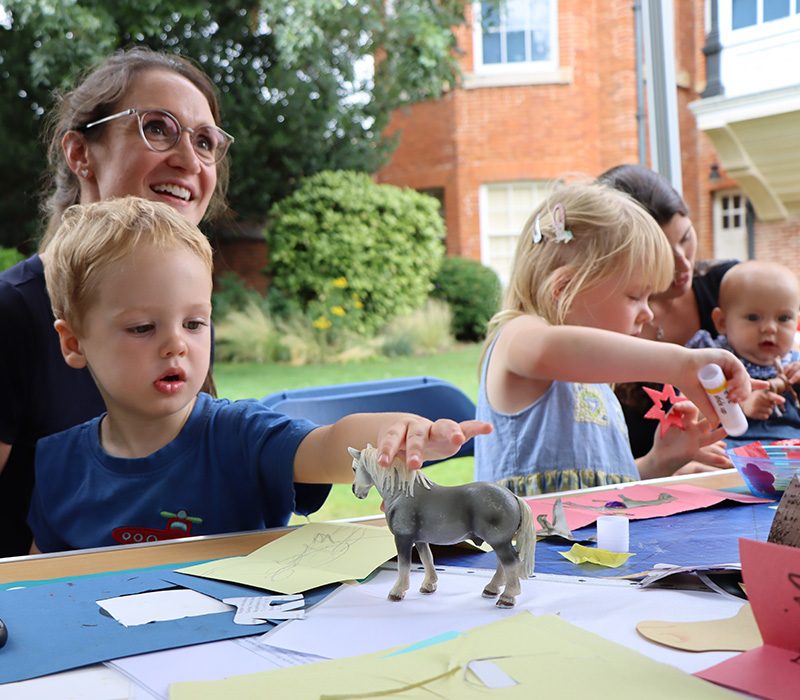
(771, 575)
(583, 509)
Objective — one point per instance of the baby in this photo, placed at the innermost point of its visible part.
(756, 319)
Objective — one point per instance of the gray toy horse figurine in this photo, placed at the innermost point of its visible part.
(435, 514)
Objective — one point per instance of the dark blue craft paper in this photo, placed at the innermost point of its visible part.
(59, 626)
(694, 538)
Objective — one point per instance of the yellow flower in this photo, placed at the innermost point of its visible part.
(322, 323)
(338, 310)
(356, 301)
(340, 283)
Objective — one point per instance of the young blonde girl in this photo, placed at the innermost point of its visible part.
(586, 263)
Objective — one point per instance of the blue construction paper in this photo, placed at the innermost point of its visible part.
(43, 582)
(695, 538)
(59, 626)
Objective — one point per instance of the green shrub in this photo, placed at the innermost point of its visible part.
(473, 292)
(233, 294)
(386, 242)
(425, 331)
(9, 257)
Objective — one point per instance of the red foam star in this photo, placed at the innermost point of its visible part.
(656, 412)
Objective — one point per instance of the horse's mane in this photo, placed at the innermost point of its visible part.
(397, 477)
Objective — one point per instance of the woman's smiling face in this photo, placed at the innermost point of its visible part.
(121, 164)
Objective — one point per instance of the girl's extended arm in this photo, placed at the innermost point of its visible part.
(532, 349)
(322, 457)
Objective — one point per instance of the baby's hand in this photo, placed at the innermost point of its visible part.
(416, 439)
(759, 404)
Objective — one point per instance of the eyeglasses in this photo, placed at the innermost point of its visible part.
(161, 131)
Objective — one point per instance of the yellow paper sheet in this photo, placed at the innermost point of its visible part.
(310, 556)
(545, 657)
(580, 555)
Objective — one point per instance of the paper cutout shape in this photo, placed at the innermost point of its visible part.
(255, 610)
(785, 528)
(665, 418)
(308, 557)
(546, 656)
(579, 554)
(737, 633)
(582, 509)
(772, 577)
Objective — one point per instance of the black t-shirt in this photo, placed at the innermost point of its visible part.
(705, 287)
(39, 393)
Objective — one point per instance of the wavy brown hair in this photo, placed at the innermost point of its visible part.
(96, 95)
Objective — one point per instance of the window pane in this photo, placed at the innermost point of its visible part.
(726, 221)
(490, 17)
(737, 201)
(745, 13)
(540, 45)
(775, 9)
(737, 221)
(491, 48)
(515, 47)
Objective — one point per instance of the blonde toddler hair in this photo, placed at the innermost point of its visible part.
(91, 237)
(612, 236)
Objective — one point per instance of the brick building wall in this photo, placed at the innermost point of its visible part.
(585, 123)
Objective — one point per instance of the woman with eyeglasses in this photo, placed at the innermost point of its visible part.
(141, 123)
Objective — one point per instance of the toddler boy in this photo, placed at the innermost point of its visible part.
(130, 284)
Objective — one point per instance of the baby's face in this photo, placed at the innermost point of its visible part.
(761, 322)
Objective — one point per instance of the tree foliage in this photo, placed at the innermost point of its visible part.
(300, 89)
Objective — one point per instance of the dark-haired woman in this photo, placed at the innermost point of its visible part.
(680, 311)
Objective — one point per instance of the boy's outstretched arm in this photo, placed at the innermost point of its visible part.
(322, 457)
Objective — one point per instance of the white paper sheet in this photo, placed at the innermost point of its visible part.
(213, 661)
(153, 606)
(91, 683)
(359, 619)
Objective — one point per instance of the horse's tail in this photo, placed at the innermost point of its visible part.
(526, 538)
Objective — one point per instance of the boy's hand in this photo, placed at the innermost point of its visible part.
(416, 439)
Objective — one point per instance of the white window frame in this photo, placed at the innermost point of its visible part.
(549, 65)
(719, 229)
(539, 191)
(759, 30)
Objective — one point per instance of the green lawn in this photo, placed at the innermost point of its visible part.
(240, 381)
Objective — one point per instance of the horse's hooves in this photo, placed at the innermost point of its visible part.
(489, 593)
(396, 596)
(428, 590)
(503, 602)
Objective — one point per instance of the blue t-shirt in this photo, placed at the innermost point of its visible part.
(572, 437)
(229, 469)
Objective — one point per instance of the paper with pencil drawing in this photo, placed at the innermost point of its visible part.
(310, 556)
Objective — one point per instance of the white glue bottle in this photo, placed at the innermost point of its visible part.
(730, 414)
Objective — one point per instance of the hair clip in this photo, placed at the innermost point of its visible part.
(537, 230)
(563, 234)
